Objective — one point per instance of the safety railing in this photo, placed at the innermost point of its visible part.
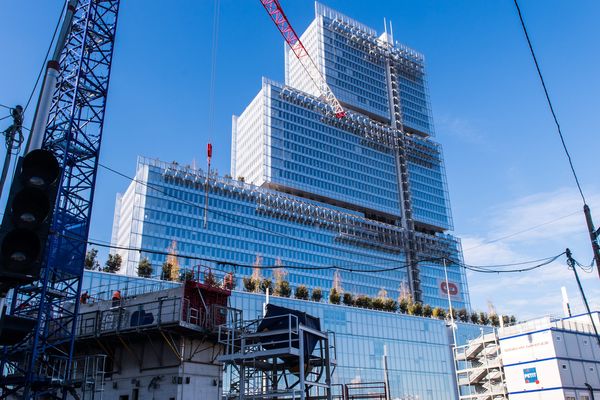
(135, 316)
(243, 337)
(160, 312)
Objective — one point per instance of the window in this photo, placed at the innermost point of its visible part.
(564, 366)
(570, 398)
(584, 397)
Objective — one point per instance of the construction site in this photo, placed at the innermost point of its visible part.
(321, 267)
(189, 333)
(188, 342)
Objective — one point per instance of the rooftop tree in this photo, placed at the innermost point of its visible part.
(301, 292)
(317, 294)
(91, 261)
(113, 264)
(144, 269)
(334, 296)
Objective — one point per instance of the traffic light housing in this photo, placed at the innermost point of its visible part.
(27, 218)
(14, 329)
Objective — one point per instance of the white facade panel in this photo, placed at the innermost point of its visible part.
(532, 377)
(527, 347)
(551, 359)
(248, 142)
(131, 222)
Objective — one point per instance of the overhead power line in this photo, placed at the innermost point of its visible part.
(485, 243)
(475, 268)
(539, 72)
(525, 269)
(230, 217)
(593, 233)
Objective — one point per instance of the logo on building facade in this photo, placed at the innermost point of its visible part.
(448, 288)
(530, 375)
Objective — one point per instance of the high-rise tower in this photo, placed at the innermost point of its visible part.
(380, 161)
(358, 202)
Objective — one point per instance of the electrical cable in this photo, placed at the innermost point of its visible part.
(39, 76)
(230, 263)
(2, 105)
(523, 231)
(482, 269)
(228, 216)
(539, 72)
(474, 268)
(486, 271)
(585, 268)
(516, 263)
(571, 265)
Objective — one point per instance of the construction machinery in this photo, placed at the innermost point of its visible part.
(275, 11)
(68, 124)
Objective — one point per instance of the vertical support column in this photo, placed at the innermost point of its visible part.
(327, 368)
(301, 362)
(242, 383)
(402, 173)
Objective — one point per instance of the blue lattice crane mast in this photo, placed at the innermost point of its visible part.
(69, 125)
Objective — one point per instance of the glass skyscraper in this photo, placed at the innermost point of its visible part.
(361, 200)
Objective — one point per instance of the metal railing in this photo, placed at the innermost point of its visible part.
(244, 338)
(86, 373)
(165, 311)
(547, 322)
(135, 316)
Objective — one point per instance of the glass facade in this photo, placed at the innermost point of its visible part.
(305, 154)
(246, 223)
(101, 285)
(420, 363)
(427, 177)
(359, 67)
(364, 195)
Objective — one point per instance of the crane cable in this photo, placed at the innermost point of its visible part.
(213, 66)
(211, 99)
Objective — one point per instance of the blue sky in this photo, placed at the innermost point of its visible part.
(506, 169)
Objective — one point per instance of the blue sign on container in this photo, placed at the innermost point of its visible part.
(530, 375)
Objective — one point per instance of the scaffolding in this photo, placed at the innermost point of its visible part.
(479, 370)
(84, 373)
(278, 357)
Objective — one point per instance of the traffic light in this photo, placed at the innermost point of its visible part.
(27, 218)
(13, 329)
(24, 233)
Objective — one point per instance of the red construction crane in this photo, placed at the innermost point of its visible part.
(283, 24)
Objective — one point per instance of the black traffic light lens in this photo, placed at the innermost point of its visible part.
(14, 329)
(39, 169)
(20, 249)
(30, 208)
